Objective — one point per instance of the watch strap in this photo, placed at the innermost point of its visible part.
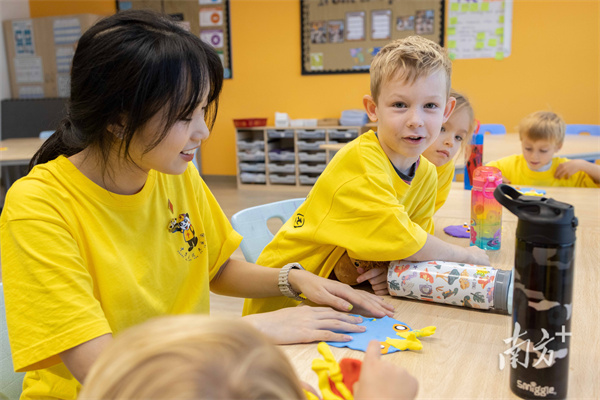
(284, 284)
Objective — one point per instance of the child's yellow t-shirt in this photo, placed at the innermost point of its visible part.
(445, 175)
(358, 204)
(79, 262)
(515, 169)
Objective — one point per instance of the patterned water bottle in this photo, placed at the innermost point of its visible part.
(543, 294)
(486, 212)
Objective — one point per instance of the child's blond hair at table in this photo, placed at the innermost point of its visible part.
(199, 357)
(375, 200)
(456, 134)
(542, 134)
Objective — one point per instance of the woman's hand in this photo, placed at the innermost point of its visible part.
(306, 325)
(383, 380)
(377, 277)
(338, 295)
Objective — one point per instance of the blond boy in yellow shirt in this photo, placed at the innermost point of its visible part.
(375, 200)
(542, 134)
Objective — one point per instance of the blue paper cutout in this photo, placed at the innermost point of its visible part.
(377, 329)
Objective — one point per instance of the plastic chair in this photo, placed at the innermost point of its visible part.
(251, 223)
(11, 383)
(494, 129)
(577, 129)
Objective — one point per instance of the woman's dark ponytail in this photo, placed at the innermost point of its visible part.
(64, 141)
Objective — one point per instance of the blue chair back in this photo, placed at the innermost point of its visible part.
(494, 129)
(251, 223)
(577, 129)
(11, 382)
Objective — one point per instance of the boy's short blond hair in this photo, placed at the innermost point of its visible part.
(412, 57)
(543, 125)
(192, 357)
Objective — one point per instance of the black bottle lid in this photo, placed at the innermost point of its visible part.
(541, 220)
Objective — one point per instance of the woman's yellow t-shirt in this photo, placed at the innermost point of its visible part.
(79, 262)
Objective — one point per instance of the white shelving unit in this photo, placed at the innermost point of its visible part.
(268, 156)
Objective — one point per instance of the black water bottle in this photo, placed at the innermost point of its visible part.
(543, 294)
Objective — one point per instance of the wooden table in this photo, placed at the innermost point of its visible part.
(462, 359)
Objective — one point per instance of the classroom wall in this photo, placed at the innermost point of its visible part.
(554, 64)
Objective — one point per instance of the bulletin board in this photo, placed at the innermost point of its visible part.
(343, 36)
(208, 19)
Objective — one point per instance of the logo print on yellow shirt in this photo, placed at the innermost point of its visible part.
(182, 224)
(298, 221)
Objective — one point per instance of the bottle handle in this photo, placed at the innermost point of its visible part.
(489, 182)
(509, 197)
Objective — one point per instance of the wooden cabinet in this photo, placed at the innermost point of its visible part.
(270, 156)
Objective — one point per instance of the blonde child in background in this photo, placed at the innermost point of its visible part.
(375, 200)
(114, 225)
(198, 357)
(455, 135)
(542, 134)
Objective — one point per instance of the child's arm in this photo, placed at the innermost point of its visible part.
(437, 249)
(383, 380)
(566, 169)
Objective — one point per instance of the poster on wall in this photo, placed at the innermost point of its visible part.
(479, 29)
(208, 19)
(344, 36)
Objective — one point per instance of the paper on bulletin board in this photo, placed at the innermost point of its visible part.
(23, 34)
(66, 30)
(211, 17)
(479, 29)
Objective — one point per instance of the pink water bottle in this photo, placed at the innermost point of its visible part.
(486, 212)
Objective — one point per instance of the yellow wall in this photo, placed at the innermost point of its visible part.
(554, 64)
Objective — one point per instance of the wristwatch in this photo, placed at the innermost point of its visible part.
(284, 284)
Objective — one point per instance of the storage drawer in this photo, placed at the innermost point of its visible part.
(256, 145)
(282, 179)
(343, 133)
(282, 156)
(282, 168)
(252, 167)
(255, 155)
(249, 177)
(307, 180)
(280, 133)
(315, 157)
(306, 145)
(306, 168)
(310, 133)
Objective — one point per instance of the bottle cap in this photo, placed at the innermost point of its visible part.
(501, 290)
(542, 220)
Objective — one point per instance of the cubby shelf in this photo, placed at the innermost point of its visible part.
(274, 157)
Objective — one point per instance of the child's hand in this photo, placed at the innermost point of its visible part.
(377, 277)
(477, 256)
(383, 380)
(566, 169)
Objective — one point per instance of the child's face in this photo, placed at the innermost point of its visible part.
(453, 133)
(409, 116)
(538, 153)
(177, 149)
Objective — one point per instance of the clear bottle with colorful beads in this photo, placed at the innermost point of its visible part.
(486, 212)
